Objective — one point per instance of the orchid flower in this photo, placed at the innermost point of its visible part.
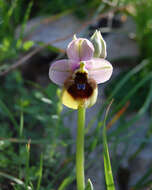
(85, 68)
(80, 73)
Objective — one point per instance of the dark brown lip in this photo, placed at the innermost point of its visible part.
(80, 87)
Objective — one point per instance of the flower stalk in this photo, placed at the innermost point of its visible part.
(79, 76)
(80, 150)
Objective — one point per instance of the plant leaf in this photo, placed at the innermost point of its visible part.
(107, 164)
(89, 185)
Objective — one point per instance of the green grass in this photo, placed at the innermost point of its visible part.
(107, 163)
(30, 111)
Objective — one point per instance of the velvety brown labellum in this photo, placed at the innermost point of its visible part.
(80, 87)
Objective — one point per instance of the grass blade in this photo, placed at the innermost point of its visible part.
(8, 112)
(107, 164)
(27, 169)
(143, 109)
(40, 173)
(67, 181)
(14, 179)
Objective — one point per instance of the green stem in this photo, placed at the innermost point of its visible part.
(80, 150)
(20, 138)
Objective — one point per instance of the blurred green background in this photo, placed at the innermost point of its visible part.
(37, 144)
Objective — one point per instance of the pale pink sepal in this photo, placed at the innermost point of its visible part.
(99, 69)
(80, 50)
(60, 70)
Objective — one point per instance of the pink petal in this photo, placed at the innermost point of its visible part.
(80, 49)
(99, 69)
(61, 70)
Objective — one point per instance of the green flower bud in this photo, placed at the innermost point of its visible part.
(74, 37)
(99, 45)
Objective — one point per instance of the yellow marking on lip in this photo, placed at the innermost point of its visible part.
(72, 103)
